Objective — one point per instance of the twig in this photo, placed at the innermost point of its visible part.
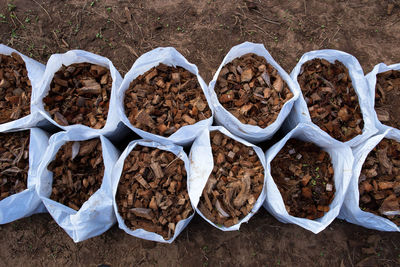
(43, 9)
(333, 37)
(131, 49)
(258, 27)
(267, 20)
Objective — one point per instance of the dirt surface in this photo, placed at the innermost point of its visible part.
(203, 31)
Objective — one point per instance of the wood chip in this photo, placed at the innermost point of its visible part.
(233, 186)
(15, 88)
(331, 98)
(75, 179)
(387, 92)
(156, 180)
(14, 162)
(167, 99)
(78, 92)
(380, 187)
(305, 183)
(256, 95)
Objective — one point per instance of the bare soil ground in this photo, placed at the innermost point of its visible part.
(203, 31)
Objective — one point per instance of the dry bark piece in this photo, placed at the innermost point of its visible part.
(152, 192)
(77, 176)
(252, 90)
(387, 93)
(303, 173)
(15, 88)
(331, 99)
(80, 94)
(164, 99)
(14, 162)
(234, 184)
(379, 182)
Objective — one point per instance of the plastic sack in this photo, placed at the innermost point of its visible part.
(371, 80)
(27, 202)
(117, 171)
(35, 74)
(351, 211)
(202, 164)
(96, 215)
(171, 57)
(342, 160)
(223, 117)
(71, 57)
(300, 111)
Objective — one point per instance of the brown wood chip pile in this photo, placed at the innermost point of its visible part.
(331, 99)
(164, 99)
(77, 177)
(15, 88)
(252, 90)
(235, 182)
(80, 94)
(379, 181)
(152, 192)
(14, 162)
(387, 95)
(303, 173)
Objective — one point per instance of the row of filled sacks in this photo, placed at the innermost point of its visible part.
(153, 189)
(163, 97)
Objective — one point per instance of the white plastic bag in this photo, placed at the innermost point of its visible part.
(96, 215)
(223, 117)
(300, 111)
(27, 202)
(351, 211)
(202, 164)
(71, 57)
(171, 57)
(35, 73)
(117, 171)
(342, 160)
(371, 80)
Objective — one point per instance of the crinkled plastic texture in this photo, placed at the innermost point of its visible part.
(117, 171)
(342, 160)
(35, 74)
(202, 164)
(171, 57)
(300, 111)
(371, 80)
(27, 202)
(223, 117)
(71, 57)
(351, 211)
(96, 215)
